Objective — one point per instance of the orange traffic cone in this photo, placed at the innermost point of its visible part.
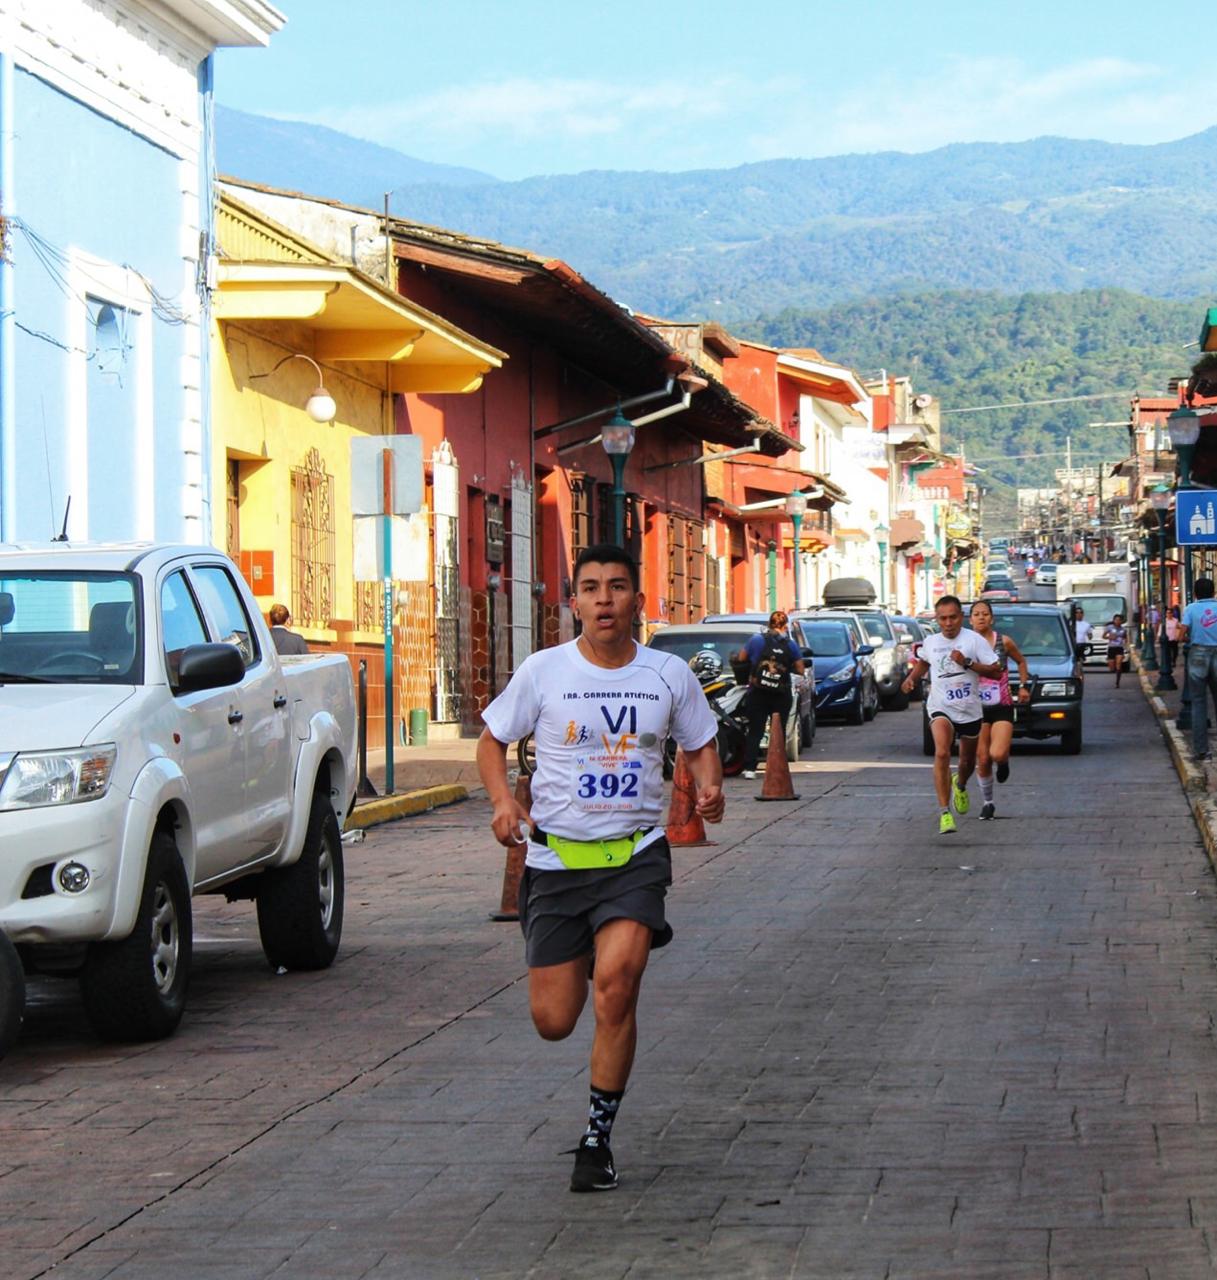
(513, 871)
(778, 785)
(685, 827)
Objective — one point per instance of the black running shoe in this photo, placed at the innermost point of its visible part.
(1003, 770)
(593, 1167)
(987, 811)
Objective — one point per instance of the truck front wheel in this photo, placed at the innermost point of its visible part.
(136, 989)
(300, 907)
(12, 994)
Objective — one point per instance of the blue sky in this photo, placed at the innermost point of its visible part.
(524, 87)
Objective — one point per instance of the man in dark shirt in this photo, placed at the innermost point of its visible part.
(285, 641)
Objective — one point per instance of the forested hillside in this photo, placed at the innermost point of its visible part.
(1048, 214)
(980, 348)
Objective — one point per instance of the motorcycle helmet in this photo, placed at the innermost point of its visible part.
(706, 665)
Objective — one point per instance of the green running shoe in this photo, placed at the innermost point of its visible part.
(946, 825)
(959, 797)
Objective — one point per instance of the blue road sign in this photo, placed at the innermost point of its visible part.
(1196, 517)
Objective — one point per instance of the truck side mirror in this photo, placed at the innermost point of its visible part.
(209, 666)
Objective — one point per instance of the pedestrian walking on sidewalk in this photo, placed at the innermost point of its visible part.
(1170, 627)
(997, 707)
(955, 660)
(1198, 635)
(597, 864)
(772, 656)
(1116, 635)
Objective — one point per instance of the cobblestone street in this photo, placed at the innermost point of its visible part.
(870, 1052)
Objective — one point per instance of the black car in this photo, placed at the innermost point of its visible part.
(1053, 663)
(727, 634)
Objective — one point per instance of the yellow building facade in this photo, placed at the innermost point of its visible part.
(288, 322)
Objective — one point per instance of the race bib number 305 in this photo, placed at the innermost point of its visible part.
(959, 693)
(606, 783)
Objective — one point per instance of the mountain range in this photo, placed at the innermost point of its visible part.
(1051, 214)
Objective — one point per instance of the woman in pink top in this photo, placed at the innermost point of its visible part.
(997, 707)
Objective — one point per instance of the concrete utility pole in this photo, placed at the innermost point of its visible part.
(1069, 491)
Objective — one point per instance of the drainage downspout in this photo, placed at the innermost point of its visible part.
(680, 406)
(206, 282)
(665, 390)
(8, 415)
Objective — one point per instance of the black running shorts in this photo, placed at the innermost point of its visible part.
(560, 911)
(998, 713)
(968, 729)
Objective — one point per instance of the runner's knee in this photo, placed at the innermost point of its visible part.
(554, 1024)
(615, 997)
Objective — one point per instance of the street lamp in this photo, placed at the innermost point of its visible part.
(1184, 428)
(617, 437)
(1145, 547)
(1161, 500)
(881, 535)
(796, 509)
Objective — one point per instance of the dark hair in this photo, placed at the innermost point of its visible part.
(947, 600)
(1203, 587)
(778, 618)
(279, 615)
(606, 553)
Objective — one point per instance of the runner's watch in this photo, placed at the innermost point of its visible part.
(967, 664)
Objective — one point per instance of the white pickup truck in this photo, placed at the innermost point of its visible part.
(153, 745)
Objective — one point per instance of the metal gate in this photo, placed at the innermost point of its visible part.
(446, 497)
(521, 570)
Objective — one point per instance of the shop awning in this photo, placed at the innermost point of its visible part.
(906, 532)
(354, 317)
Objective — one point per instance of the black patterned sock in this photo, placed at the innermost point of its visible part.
(601, 1112)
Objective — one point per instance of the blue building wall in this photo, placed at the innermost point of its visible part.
(82, 181)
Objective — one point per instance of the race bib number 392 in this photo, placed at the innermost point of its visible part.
(604, 783)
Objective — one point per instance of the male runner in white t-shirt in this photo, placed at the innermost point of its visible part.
(598, 864)
(956, 659)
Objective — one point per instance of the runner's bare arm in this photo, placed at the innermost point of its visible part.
(920, 667)
(707, 771)
(1024, 677)
(508, 812)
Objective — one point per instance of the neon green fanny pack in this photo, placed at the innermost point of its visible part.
(588, 855)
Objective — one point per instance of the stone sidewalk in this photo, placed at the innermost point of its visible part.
(870, 1052)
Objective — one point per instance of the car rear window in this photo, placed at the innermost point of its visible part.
(827, 639)
(726, 642)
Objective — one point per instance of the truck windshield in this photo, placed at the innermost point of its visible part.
(1040, 634)
(1099, 610)
(70, 628)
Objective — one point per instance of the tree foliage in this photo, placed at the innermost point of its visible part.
(975, 348)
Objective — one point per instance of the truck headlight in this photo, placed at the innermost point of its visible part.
(39, 778)
(1055, 689)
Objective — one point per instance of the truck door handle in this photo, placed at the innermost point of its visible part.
(280, 701)
(235, 717)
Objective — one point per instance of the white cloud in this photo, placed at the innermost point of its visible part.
(526, 125)
(991, 99)
(525, 110)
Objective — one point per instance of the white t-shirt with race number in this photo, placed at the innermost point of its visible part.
(599, 735)
(954, 690)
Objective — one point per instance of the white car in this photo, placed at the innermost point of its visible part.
(153, 745)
